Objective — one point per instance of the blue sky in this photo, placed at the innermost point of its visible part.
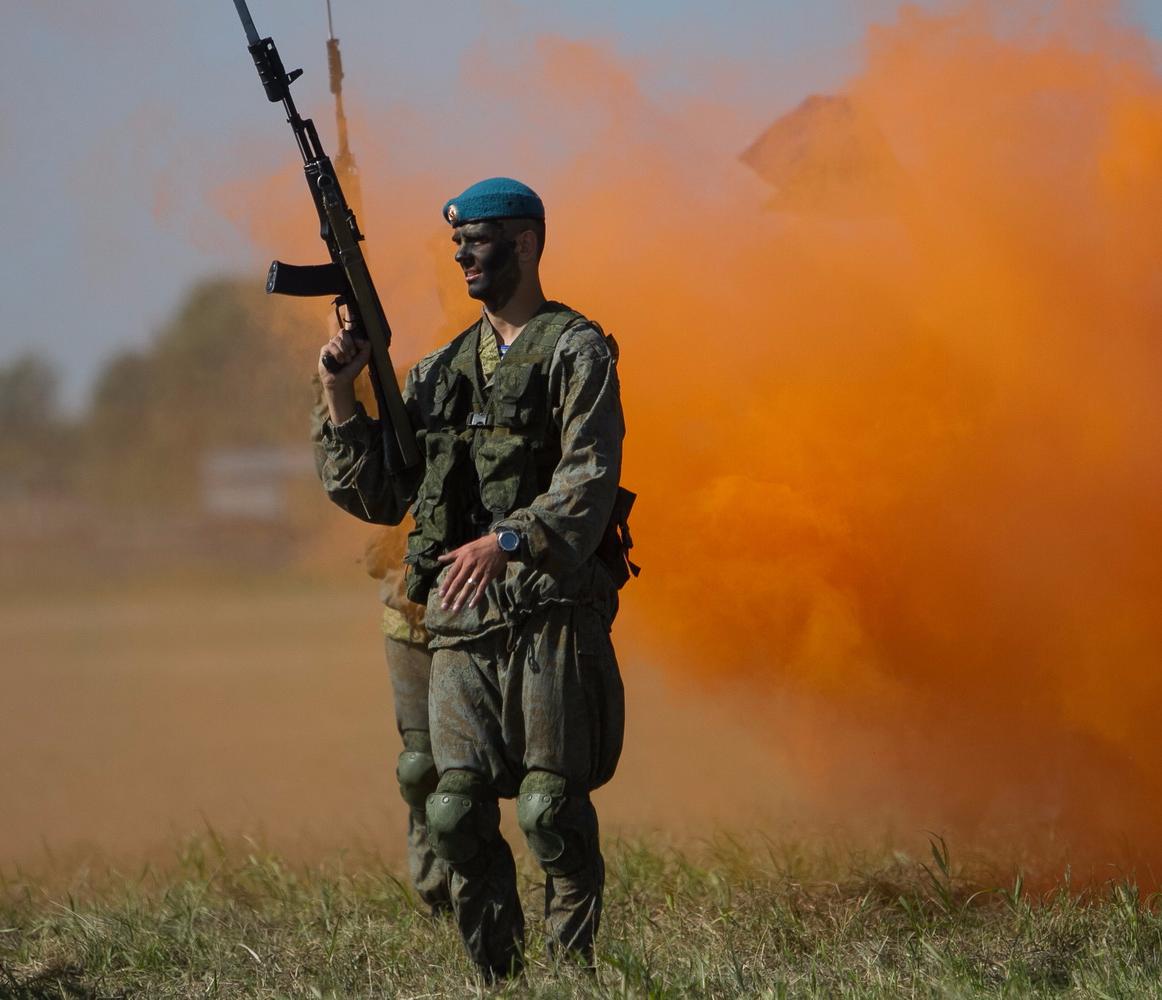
(102, 98)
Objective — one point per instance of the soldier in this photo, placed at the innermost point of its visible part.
(409, 665)
(519, 419)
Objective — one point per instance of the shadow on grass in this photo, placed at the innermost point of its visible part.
(59, 982)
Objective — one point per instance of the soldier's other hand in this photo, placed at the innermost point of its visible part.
(473, 567)
(352, 354)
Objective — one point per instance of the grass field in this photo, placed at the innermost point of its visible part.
(135, 715)
(721, 919)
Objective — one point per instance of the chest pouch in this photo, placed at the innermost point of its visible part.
(444, 511)
(507, 452)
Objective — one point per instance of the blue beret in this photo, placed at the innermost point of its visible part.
(495, 198)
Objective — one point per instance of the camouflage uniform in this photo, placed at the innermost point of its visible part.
(409, 665)
(526, 697)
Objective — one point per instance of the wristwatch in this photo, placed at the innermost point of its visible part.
(508, 540)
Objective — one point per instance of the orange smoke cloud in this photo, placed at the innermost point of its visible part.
(922, 499)
(895, 427)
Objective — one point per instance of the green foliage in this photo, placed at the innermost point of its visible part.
(227, 370)
(34, 436)
(28, 395)
(230, 369)
(724, 920)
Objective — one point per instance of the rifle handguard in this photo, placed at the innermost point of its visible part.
(275, 79)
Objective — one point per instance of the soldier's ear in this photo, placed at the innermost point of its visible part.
(527, 246)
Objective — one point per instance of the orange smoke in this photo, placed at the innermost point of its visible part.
(898, 440)
(921, 500)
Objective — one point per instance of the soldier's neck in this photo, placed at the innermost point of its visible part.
(508, 320)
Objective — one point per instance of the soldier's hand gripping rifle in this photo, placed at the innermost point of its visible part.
(347, 277)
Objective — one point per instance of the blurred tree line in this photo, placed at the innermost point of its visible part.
(230, 369)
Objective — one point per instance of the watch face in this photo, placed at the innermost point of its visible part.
(508, 540)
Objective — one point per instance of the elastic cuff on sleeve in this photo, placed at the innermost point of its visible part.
(353, 430)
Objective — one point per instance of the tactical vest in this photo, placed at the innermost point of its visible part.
(488, 450)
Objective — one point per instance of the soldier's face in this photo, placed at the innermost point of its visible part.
(487, 255)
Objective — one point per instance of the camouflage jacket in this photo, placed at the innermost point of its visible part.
(562, 525)
(383, 553)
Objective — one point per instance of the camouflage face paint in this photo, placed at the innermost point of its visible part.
(488, 258)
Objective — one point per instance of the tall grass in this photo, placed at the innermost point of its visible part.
(721, 919)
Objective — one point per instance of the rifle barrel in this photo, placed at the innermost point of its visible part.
(248, 21)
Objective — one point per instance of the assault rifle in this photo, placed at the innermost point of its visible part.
(347, 278)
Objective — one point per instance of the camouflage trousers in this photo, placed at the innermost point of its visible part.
(535, 713)
(410, 666)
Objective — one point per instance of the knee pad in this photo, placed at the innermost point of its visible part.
(416, 773)
(463, 817)
(416, 769)
(559, 828)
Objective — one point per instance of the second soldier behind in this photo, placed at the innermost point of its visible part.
(409, 665)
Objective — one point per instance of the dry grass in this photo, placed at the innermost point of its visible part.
(720, 919)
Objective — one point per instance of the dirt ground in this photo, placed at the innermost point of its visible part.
(134, 715)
